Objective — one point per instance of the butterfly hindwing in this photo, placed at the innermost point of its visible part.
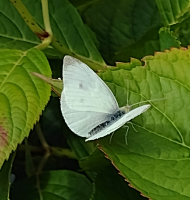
(81, 122)
(120, 122)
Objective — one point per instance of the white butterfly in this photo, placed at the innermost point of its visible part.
(88, 105)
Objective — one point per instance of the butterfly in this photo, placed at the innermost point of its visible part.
(88, 106)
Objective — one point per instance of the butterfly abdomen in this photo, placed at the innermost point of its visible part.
(111, 118)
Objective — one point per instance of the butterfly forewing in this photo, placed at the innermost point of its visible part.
(84, 90)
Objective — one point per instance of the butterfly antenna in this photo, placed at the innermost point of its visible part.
(127, 89)
(111, 137)
(149, 101)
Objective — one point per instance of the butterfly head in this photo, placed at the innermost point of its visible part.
(126, 108)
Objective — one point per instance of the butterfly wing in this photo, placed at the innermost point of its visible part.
(84, 90)
(85, 100)
(81, 123)
(120, 122)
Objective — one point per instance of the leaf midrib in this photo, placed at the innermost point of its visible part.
(23, 54)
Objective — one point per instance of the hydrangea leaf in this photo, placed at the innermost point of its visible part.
(108, 185)
(174, 11)
(22, 96)
(167, 39)
(15, 33)
(70, 35)
(56, 185)
(122, 26)
(184, 33)
(156, 159)
(56, 84)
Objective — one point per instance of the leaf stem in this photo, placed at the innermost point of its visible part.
(44, 159)
(45, 146)
(55, 151)
(45, 12)
(60, 152)
(47, 40)
(27, 17)
(41, 137)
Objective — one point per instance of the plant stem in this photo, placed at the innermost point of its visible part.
(55, 151)
(41, 137)
(45, 11)
(44, 159)
(60, 152)
(27, 17)
(45, 146)
(47, 40)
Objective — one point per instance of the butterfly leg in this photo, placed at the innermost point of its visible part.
(128, 130)
(132, 126)
(126, 135)
(111, 137)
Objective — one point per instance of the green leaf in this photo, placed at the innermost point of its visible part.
(83, 5)
(92, 162)
(81, 148)
(15, 33)
(156, 159)
(22, 96)
(5, 173)
(109, 185)
(147, 45)
(120, 24)
(173, 12)
(56, 84)
(184, 34)
(54, 185)
(71, 36)
(167, 39)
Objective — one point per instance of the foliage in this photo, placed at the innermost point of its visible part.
(139, 48)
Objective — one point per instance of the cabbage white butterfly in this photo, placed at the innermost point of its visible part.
(88, 105)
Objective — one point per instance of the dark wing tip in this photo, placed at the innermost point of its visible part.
(69, 60)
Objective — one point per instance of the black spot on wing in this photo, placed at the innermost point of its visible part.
(81, 86)
(81, 100)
